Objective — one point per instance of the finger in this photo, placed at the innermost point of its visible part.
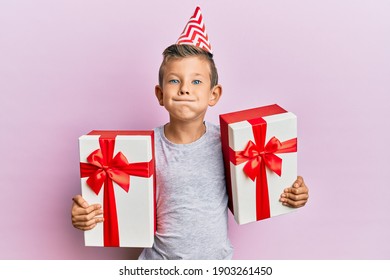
(298, 182)
(87, 224)
(84, 228)
(77, 210)
(86, 220)
(295, 197)
(87, 216)
(294, 203)
(87, 228)
(80, 201)
(301, 190)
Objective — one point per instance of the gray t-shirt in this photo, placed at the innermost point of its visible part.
(191, 199)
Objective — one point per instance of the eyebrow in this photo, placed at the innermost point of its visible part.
(171, 73)
(177, 75)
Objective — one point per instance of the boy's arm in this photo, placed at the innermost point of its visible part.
(84, 216)
(297, 195)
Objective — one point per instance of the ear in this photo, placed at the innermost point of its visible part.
(159, 94)
(215, 95)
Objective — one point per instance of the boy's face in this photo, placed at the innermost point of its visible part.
(186, 90)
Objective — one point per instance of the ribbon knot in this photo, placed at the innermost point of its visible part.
(255, 154)
(100, 167)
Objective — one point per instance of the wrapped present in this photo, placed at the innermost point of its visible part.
(117, 171)
(260, 155)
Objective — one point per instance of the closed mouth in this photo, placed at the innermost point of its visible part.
(183, 100)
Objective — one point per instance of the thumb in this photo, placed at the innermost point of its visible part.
(80, 201)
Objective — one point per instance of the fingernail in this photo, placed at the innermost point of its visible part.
(283, 195)
(85, 205)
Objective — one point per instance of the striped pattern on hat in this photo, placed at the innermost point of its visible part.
(194, 32)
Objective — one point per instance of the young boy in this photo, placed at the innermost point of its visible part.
(191, 193)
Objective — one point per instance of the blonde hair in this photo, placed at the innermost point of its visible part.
(181, 51)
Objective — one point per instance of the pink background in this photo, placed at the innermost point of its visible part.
(67, 67)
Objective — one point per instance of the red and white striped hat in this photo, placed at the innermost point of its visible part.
(195, 32)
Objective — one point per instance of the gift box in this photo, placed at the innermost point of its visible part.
(260, 155)
(117, 171)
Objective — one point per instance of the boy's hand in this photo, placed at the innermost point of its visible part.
(84, 216)
(295, 196)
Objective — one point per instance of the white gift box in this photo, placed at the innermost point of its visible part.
(134, 207)
(257, 198)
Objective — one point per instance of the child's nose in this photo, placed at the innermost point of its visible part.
(182, 92)
(184, 89)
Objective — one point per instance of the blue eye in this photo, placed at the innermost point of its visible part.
(196, 82)
(173, 81)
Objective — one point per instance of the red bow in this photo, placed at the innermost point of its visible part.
(259, 156)
(103, 169)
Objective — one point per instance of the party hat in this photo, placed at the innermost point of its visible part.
(195, 32)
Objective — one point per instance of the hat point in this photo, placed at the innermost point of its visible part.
(194, 32)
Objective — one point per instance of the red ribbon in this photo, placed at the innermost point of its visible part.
(104, 169)
(258, 156)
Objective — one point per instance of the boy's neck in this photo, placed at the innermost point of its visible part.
(184, 132)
